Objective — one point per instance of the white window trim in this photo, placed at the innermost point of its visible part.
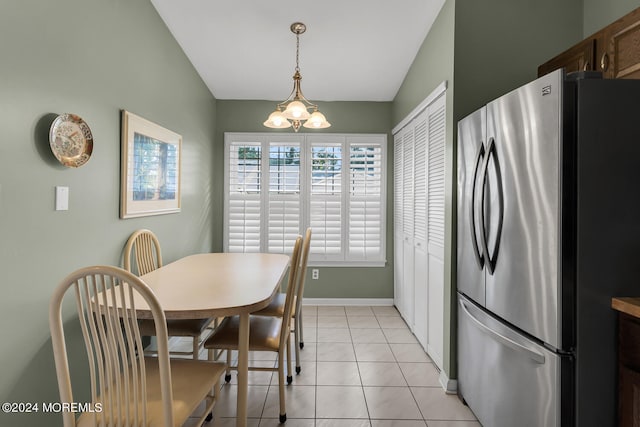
(305, 140)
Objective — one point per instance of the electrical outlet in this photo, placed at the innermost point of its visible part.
(315, 274)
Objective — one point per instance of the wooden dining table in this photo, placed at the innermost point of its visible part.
(216, 285)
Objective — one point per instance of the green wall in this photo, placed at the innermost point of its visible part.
(599, 13)
(434, 64)
(345, 117)
(500, 43)
(91, 58)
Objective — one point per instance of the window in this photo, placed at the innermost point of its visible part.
(335, 184)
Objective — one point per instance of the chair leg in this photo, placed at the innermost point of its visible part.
(297, 347)
(196, 348)
(299, 327)
(283, 409)
(227, 375)
(215, 395)
(289, 373)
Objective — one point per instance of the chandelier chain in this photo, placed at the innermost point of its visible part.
(297, 51)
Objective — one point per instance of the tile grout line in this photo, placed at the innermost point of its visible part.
(364, 396)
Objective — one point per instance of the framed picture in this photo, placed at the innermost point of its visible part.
(150, 168)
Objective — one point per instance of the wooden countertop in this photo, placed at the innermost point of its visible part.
(628, 305)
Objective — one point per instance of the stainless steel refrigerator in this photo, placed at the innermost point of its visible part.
(548, 231)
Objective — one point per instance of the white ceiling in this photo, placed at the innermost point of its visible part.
(353, 50)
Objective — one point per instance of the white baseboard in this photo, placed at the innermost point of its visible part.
(348, 301)
(449, 386)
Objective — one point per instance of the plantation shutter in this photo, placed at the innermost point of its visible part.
(365, 201)
(325, 207)
(284, 197)
(277, 185)
(244, 212)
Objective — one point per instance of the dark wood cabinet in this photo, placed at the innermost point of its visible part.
(623, 47)
(628, 371)
(614, 50)
(580, 57)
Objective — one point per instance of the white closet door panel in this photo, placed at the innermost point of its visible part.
(398, 272)
(397, 182)
(420, 178)
(436, 174)
(407, 182)
(397, 221)
(435, 230)
(435, 310)
(421, 297)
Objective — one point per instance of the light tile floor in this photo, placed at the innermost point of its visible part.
(361, 367)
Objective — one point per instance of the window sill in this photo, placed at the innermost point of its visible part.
(347, 263)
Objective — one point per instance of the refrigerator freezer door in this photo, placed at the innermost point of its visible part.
(524, 287)
(471, 155)
(506, 379)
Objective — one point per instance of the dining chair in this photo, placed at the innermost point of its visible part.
(276, 308)
(265, 334)
(127, 388)
(143, 248)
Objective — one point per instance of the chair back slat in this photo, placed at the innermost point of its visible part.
(143, 246)
(108, 319)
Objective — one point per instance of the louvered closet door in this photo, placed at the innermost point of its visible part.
(420, 267)
(407, 226)
(436, 228)
(398, 240)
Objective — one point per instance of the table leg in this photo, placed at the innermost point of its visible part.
(243, 370)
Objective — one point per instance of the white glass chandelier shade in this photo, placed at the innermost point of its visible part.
(277, 120)
(317, 121)
(294, 111)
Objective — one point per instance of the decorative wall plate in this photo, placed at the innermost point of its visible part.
(71, 140)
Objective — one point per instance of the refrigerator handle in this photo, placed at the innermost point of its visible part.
(474, 236)
(533, 355)
(492, 258)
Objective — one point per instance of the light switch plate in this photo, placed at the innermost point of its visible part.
(62, 198)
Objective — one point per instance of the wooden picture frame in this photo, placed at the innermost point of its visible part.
(150, 168)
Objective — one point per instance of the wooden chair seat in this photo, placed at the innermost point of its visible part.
(264, 334)
(190, 380)
(276, 308)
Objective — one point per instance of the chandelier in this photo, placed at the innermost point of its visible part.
(294, 111)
